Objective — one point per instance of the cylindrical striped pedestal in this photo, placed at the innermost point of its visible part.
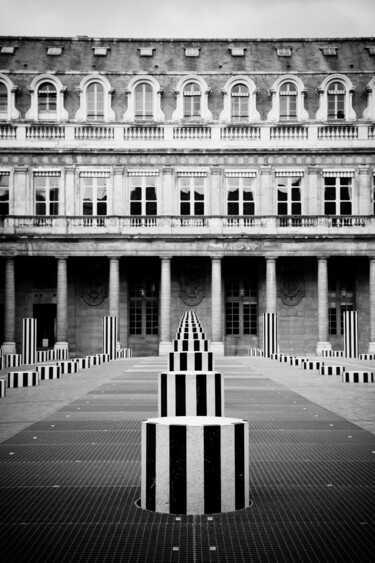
(191, 394)
(68, 366)
(3, 387)
(12, 360)
(367, 356)
(42, 356)
(23, 379)
(358, 377)
(110, 336)
(312, 364)
(269, 334)
(351, 334)
(82, 363)
(191, 361)
(49, 372)
(29, 341)
(195, 465)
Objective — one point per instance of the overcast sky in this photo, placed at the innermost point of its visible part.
(189, 18)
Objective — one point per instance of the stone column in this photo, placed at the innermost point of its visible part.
(114, 291)
(165, 344)
(217, 344)
(323, 343)
(371, 347)
(62, 305)
(266, 196)
(9, 345)
(362, 201)
(216, 191)
(70, 195)
(313, 199)
(169, 199)
(117, 205)
(271, 286)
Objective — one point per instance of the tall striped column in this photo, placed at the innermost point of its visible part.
(62, 305)
(323, 345)
(269, 334)
(9, 345)
(371, 346)
(29, 327)
(351, 334)
(114, 291)
(165, 344)
(217, 345)
(110, 336)
(195, 465)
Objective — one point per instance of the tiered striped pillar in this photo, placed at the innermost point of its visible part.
(351, 334)
(110, 336)
(195, 465)
(29, 341)
(269, 334)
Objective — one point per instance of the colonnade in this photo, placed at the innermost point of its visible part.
(217, 344)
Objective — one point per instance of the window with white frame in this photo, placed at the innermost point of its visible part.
(289, 200)
(240, 103)
(46, 189)
(47, 101)
(3, 101)
(94, 193)
(338, 193)
(191, 190)
(288, 101)
(4, 192)
(144, 102)
(143, 306)
(341, 298)
(240, 190)
(143, 195)
(192, 101)
(336, 101)
(241, 306)
(95, 102)
(8, 109)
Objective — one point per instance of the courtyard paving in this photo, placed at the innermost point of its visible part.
(70, 469)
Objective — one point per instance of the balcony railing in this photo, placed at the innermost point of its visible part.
(175, 225)
(262, 135)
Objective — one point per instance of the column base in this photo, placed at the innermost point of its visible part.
(322, 346)
(371, 347)
(8, 348)
(165, 348)
(217, 348)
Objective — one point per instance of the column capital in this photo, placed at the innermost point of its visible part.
(19, 169)
(325, 258)
(313, 169)
(265, 169)
(364, 169)
(168, 171)
(165, 258)
(216, 170)
(110, 258)
(272, 257)
(371, 258)
(217, 258)
(64, 257)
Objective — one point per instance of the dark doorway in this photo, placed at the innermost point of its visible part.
(46, 325)
(2, 320)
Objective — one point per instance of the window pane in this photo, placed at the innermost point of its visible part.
(3, 98)
(95, 101)
(233, 208)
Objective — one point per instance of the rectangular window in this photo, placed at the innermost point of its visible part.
(289, 196)
(94, 195)
(192, 195)
(143, 307)
(46, 194)
(4, 193)
(143, 198)
(241, 307)
(341, 299)
(240, 195)
(337, 195)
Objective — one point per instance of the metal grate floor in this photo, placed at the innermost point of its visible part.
(69, 483)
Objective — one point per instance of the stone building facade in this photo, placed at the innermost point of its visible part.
(141, 178)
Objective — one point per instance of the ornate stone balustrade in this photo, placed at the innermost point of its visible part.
(119, 135)
(180, 225)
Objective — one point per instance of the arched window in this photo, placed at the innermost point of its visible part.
(95, 102)
(239, 102)
(144, 101)
(288, 101)
(3, 100)
(47, 101)
(336, 101)
(192, 101)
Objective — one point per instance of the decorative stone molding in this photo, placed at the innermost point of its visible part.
(225, 115)
(178, 114)
(158, 115)
(61, 113)
(322, 91)
(369, 112)
(109, 114)
(11, 113)
(274, 92)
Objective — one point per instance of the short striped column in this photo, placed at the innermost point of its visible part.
(191, 394)
(42, 356)
(351, 334)
(68, 366)
(49, 372)
(12, 360)
(82, 363)
(29, 341)
(18, 379)
(3, 387)
(60, 354)
(312, 364)
(331, 370)
(367, 356)
(358, 377)
(110, 336)
(195, 465)
(269, 334)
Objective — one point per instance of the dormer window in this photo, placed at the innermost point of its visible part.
(3, 100)
(329, 51)
(237, 51)
(95, 99)
(240, 103)
(100, 51)
(54, 51)
(8, 110)
(288, 101)
(284, 52)
(47, 101)
(146, 51)
(192, 101)
(336, 101)
(7, 50)
(144, 100)
(192, 52)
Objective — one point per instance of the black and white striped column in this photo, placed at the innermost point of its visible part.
(191, 394)
(23, 379)
(49, 372)
(29, 341)
(110, 336)
(195, 465)
(191, 361)
(351, 334)
(269, 334)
